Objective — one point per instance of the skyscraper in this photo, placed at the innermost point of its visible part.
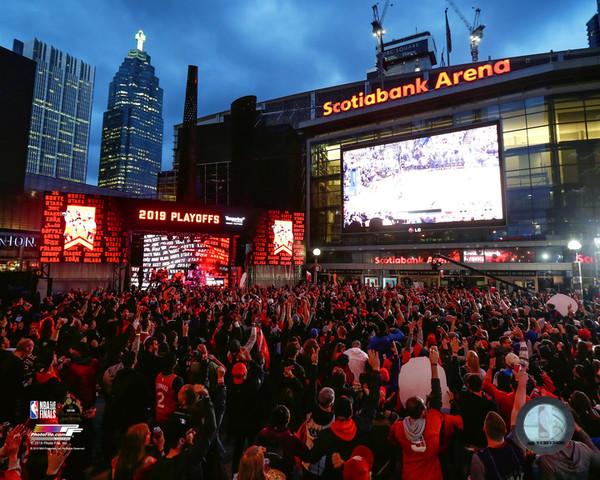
(593, 29)
(132, 129)
(61, 113)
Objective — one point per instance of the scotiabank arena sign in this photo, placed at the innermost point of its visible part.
(414, 259)
(418, 86)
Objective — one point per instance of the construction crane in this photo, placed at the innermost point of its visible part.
(378, 31)
(475, 30)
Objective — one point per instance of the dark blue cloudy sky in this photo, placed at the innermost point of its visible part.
(269, 48)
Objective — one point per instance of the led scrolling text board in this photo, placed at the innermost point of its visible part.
(80, 228)
(279, 239)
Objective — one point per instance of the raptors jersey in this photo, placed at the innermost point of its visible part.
(166, 397)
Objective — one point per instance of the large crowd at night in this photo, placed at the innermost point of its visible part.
(185, 381)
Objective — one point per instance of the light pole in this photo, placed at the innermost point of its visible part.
(575, 245)
(596, 255)
(316, 252)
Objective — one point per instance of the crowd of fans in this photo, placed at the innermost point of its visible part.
(182, 381)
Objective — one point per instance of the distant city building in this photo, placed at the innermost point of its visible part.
(132, 129)
(61, 113)
(16, 97)
(167, 185)
(593, 30)
(38, 184)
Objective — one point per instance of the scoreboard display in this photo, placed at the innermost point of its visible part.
(279, 238)
(78, 228)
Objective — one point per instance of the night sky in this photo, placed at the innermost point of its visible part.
(270, 48)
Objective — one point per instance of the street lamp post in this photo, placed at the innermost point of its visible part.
(316, 252)
(575, 245)
(596, 255)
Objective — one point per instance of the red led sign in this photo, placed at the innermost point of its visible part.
(414, 259)
(584, 259)
(178, 216)
(81, 228)
(279, 239)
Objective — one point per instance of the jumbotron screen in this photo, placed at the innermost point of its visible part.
(202, 258)
(440, 179)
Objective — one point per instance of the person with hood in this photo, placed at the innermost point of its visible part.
(418, 434)
(278, 439)
(320, 418)
(348, 429)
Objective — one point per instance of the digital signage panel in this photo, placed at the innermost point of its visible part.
(279, 238)
(178, 217)
(81, 228)
(202, 258)
(444, 179)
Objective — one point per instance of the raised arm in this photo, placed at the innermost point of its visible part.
(435, 400)
(520, 395)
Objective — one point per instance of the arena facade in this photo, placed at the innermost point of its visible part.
(546, 108)
(514, 220)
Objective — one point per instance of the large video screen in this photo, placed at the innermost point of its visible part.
(202, 258)
(440, 179)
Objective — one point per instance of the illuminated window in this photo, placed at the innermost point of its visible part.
(515, 139)
(593, 130)
(513, 123)
(538, 136)
(570, 131)
(570, 115)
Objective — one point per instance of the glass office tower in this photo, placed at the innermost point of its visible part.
(61, 113)
(132, 128)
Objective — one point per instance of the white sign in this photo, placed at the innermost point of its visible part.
(414, 380)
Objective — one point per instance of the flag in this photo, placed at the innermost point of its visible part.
(448, 35)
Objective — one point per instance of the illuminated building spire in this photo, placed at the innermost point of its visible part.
(141, 38)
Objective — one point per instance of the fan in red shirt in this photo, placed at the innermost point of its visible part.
(167, 386)
(418, 435)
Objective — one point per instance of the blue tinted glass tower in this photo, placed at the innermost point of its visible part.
(61, 112)
(132, 128)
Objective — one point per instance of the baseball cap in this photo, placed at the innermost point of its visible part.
(358, 466)
(326, 396)
(511, 360)
(239, 372)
